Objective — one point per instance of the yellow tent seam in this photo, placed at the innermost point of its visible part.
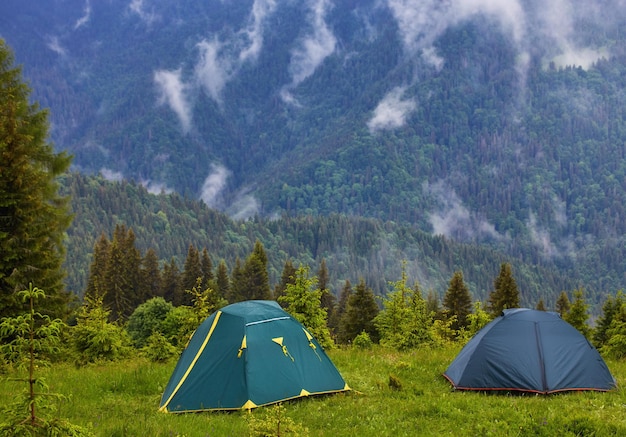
(193, 363)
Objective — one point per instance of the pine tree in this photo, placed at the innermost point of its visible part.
(562, 304)
(578, 314)
(505, 294)
(361, 309)
(33, 216)
(457, 302)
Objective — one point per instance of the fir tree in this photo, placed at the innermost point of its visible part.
(33, 216)
(222, 282)
(170, 282)
(361, 309)
(505, 294)
(150, 285)
(192, 270)
(562, 304)
(207, 268)
(256, 275)
(541, 306)
(328, 300)
(457, 302)
(578, 314)
(334, 318)
(610, 309)
(238, 283)
(97, 270)
(302, 299)
(287, 277)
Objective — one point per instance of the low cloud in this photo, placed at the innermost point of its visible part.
(175, 94)
(137, 7)
(212, 70)
(213, 186)
(156, 187)
(313, 49)
(54, 45)
(453, 219)
(261, 9)
(541, 238)
(392, 111)
(86, 16)
(244, 207)
(111, 175)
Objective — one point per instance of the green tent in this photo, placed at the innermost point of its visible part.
(246, 355)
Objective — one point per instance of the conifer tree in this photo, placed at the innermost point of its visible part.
(334, 318)
(256, 275)
(287, 277)
(361, 309)
(33, 216)
(505, 294)
(610, 309)
(207, 268)
(578, 314)
(97, 270)
(122, 275)
(150, 276)
(238, 283)
(432, 304)
(170, 282)
(192, 270)
(562, 304)
(328, 300)
(457, 302)
(541, 306)
(303, 301)
(222, 282)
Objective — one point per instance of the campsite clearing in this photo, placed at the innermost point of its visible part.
(122, 399)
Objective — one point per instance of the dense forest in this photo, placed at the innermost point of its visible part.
(422, 130)
(352, 248)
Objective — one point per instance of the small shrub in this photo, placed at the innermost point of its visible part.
(273, 422)
(363, 341)
(158, 349)
(395, 383)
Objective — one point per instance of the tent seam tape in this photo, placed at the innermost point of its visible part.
(193, 363)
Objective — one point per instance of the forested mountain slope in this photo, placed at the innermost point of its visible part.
(354, 248)
(499, 123)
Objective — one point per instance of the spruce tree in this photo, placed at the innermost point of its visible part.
(192, 270)
(578, 313)
(256, 275)
(361, 309)
(150, 284)
(457, 302)
(541, 306)
(287, 277)
(328, 300)
(237, 283)
(610, 308)
(302, 300)
(222, 282)
(562, 304)
(97, 269)
(206, 266)
(505, 294)
(170, 282)
(334, 318)
(33, 216)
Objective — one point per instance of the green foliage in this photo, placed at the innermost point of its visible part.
(362, 341)
(158, 348)
(302, 300)
(457, 301)
(404, 322)
(476, 321)
(578, 314)
(33, 216)
(94, 338)
(273, 421)
(615, 343)
(147, 319)
(361, 310)
(505, 293)
(178, 325)
(30, 337)
(610, 309)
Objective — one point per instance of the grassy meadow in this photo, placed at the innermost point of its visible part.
(121, 399)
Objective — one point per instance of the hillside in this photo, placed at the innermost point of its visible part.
(353, 247)
(488, 124)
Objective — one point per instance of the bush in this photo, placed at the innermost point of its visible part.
(147, 319)
(158, 348)
(363, 341)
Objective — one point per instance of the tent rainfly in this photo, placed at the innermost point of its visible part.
(246, 355)
(529, 351)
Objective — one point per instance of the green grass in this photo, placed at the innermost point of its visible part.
(121, 399)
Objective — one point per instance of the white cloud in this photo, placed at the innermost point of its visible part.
(138, 7)
(212, 70)
(110, 175)
(156, 187)
(244, 207)
(392, 111)
(313, 49)
(86, 16)
(54, 45)
(213, 186)
(541, 238)
(174, 93)
(261, 9)
(453, 219)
